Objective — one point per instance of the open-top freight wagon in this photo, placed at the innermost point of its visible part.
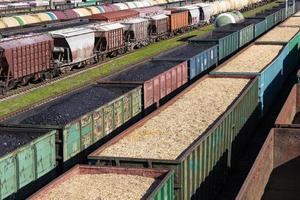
(54, 136)
(102, 40)
(198, 141)
(245, 31)
(26, 155)
(275, 170)
(83, 117)
(113, 183)
(228, 42)
(260, 25)
(269, 69)
(204, 161)
(200, 57)
(289, 114)
(159, 79)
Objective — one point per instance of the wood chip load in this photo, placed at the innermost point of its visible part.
(297, 14)
(101, 186)
(279, 34)
(253, 59)
(292, 21)
(167, 134)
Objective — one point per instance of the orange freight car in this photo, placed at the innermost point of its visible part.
(178, 21)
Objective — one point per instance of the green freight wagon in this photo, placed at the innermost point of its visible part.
(26, 155)
(84, 117)
(161, 189)
(202, 165)
(228, 42)
(260, 25)
(270, 19)
(245, 30)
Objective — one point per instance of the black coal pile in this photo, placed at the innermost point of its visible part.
(71, 107)
(144, 71)
(10, 140)
(187, 51)
(212, 36)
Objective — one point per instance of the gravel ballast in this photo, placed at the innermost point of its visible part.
(144, 71)
(253, 59)
(169, 133)
(292, 21)
(101, 187)
(279, 34)
(71, 107)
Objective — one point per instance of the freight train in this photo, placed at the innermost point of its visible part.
(41, 56)
(67, 129)
(35, 57)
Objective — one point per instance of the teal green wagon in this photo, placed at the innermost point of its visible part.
(26, 155)
(84, 117)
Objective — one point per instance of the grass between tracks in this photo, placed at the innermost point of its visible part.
(88, 76)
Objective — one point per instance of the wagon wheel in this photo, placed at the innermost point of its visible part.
(3, 91)
(25, 80)
(96, 58)
(47, 75)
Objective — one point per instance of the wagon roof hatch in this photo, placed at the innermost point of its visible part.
(106, 27)
(158, 17)
(70, 32)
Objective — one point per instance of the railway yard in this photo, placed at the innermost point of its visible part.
(149, 99)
